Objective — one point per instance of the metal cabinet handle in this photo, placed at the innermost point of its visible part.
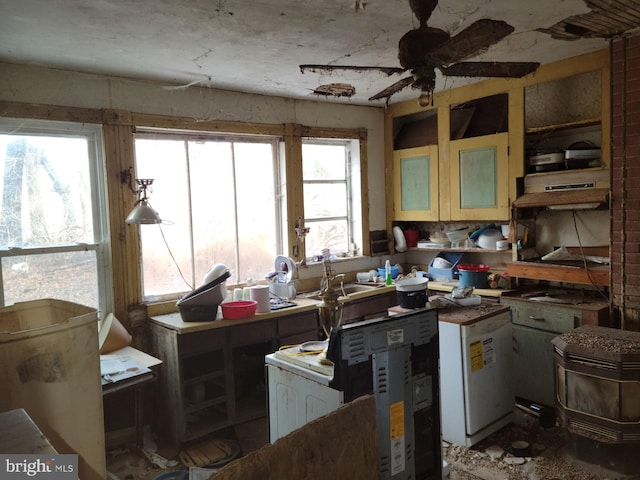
(537, 319)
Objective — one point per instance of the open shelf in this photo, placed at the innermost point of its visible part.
(464, 250)
(589, 122)
(593, 275)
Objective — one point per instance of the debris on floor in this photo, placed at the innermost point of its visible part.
(522, 451)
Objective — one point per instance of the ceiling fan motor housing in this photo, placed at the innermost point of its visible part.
(416, 45)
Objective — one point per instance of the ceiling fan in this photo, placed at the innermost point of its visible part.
(422, 50)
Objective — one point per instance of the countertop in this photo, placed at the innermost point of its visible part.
(560, 297)
(174, 320)
(463, 315)
(20, 435)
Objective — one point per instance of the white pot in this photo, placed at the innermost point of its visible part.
(411, 284)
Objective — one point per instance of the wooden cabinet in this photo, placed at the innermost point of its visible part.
(415, 180)
(194, 383)
(479, 170)
(478, 176)
(466, 175)
(567, 111)
(213, 373)
(535, 324)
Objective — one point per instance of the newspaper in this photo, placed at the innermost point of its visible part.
(114, 368)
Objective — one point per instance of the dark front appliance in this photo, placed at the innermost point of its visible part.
(396, 359)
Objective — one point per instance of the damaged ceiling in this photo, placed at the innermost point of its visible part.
(258, 46)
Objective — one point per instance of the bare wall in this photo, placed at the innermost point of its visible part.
(33, 84)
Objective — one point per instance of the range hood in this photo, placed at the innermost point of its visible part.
(576, 199)
(586, 189)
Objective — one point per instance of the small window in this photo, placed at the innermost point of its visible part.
(53, 233)
(331, 179)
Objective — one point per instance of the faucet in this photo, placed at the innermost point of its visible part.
(330, 308)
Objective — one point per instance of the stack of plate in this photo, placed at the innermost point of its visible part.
(439, 238)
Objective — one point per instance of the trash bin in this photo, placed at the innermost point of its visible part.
(50, 366)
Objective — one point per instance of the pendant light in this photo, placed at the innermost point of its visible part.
(142, 213)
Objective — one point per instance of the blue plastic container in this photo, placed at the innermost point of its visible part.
(446, 273)
(383, 273)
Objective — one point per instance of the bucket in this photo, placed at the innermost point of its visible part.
(412, 237)
(412, 292)
(395, 271)
(472, 275)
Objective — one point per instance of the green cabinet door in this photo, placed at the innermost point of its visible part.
(480, 178)
(415, 173)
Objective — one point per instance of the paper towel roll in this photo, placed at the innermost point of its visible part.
(260, 293)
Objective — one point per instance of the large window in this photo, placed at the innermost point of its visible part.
(53, 234)
(219, 201)
(331, 184)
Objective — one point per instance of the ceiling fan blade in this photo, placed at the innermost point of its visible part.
(391, 89)
(490, 69)
(332, 68)
(473, 40)
(422, 9)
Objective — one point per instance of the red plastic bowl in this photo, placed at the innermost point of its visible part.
(471, 267)
(239, 309)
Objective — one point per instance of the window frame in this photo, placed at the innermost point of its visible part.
(97, 178)
(188, 136)
(348, 145)
(291, 197)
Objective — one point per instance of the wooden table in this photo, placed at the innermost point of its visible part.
(19, 434)
(135, 383)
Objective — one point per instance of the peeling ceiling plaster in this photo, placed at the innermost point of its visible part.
(257, 46)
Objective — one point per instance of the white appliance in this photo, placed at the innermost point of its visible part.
(476, 389)
(299, 393)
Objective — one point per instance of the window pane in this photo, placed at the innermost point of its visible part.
(323, 162)
(329, 234)
(256, 210)
(45, 195)
(70, 276)
(325, 200)
(212, 193)
(165, 162)
(327, 192)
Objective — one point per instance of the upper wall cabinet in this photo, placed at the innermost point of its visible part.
(479, 178)
(469, 184)
(479, 188)
(479, 117)
(415, 183)
(563, 127)
(487, 133)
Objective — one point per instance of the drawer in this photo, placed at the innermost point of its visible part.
(552, 318)
(255, 332)
(202, 341)
(297, 323)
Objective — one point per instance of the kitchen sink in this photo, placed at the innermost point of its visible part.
(348, 289)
